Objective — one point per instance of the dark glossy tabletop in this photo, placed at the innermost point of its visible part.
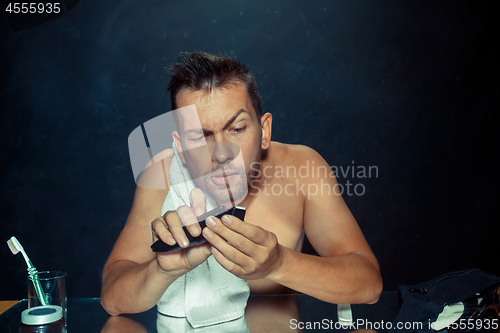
(270, 313)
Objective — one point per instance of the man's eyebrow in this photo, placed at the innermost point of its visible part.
(234, 117)
(200, 130)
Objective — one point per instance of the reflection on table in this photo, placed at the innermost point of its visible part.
(262, 314)
(270, 313)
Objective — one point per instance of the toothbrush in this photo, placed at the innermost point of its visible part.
(16, 247)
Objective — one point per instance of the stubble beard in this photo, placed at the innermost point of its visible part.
(239, 187)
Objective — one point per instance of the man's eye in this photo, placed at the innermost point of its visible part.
(238, 130)
(198, 138)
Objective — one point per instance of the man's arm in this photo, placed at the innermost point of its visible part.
(134, 277)
(132, 280)
(346, 272)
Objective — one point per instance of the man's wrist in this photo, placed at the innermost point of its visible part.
(171, 274)
(276, 275)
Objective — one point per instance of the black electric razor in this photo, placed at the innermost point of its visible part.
(239, 212)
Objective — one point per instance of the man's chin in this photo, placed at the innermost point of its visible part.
(225, 198)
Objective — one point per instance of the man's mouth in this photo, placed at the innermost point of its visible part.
(223, 178)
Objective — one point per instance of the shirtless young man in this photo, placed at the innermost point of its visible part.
(265, 250)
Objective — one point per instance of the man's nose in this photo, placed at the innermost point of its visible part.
(222, 152)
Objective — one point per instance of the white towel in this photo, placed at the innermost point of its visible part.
(208, 294)
(181, 325)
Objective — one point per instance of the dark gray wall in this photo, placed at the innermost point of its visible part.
(407, 86)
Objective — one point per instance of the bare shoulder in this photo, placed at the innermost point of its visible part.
(295, 155)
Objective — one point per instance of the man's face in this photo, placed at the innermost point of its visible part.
(224, 138)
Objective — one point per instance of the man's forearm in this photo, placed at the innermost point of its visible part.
(350, 278)
(132, 288)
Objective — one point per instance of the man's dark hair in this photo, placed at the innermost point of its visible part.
(203, 71)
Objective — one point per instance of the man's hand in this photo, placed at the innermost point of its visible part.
(168, 228)
(246, 250)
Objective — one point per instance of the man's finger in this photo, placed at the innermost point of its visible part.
(188, 219)
(175, 228)
(198, 201)
(160, 231)
(228, 251)
(252, 232)
(227, 264)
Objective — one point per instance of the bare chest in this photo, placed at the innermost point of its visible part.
(279, 212)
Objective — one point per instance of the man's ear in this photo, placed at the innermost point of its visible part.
(266, 122)
(178, 143)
